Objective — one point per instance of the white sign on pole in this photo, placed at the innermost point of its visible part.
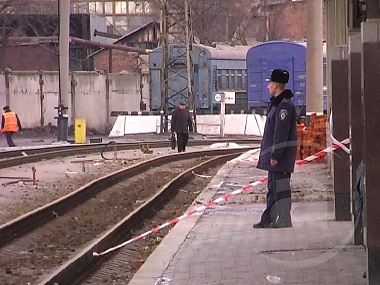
(229, 97)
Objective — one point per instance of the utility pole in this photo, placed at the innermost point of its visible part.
(164, 38)
(189, 62)
(314, 58)
(63, 95)
(176, 22)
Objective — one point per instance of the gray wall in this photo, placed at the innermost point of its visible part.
(33, 96)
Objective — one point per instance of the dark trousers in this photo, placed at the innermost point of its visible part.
(279, 200)
(8, 136)
(182, 139)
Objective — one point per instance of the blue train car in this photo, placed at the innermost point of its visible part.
(216, 69)
(263, 58)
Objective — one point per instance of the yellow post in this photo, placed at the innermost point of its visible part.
(80, 131)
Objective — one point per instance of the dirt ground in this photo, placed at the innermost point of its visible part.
(58, 177)
(52, 244)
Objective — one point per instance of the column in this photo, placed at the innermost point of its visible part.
(371, 101)
(314, 58)
(340, 131)
(356, 127)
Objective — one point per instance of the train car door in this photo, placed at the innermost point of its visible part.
(274, 62)
(263, 58)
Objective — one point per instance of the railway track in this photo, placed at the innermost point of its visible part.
(48, 237)
(24, 156)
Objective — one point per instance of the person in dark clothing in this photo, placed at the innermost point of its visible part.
(10, 124)
(278, 152)
(181, 124)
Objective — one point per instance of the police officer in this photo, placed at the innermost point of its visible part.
(181, 124)
(10, 124)
(278, 152)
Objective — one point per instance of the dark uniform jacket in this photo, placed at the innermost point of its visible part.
(280, 135)
(181, 121)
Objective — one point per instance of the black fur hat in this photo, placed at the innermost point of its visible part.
(279, 76)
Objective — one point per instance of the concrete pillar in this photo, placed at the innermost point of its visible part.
(371, 101)
(314, 57)
(355, 122)
(64, 27)
(340, 131)
(336, 36)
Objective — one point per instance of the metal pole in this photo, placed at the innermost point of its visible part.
(222, 113)
(63, 95)
(189, 61)
(314, 58)
(165, 61)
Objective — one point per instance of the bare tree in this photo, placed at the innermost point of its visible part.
(217, 20)
(272, 12)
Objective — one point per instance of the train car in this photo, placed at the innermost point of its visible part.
(241, 70)
(263, 58)
(216, 69)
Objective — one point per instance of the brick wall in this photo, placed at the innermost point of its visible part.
(121, 61)
(30, 58)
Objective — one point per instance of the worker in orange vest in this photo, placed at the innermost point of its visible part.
(10, 124)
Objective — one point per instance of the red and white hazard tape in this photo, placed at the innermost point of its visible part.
(336, 144)
(218, 200)
(325, 151)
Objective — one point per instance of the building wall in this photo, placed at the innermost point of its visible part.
(30, 58)
(125, 92)
(122, 61)
(50, 92)
(2, 90)
(91, 98)
(286, 22)
(25, 96)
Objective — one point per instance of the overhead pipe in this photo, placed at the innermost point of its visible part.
(74, 40)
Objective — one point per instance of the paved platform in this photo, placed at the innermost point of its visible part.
(221, 247)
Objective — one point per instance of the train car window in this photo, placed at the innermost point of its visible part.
(224, 82)
(324, 72)
(231, 80)
(244, 80)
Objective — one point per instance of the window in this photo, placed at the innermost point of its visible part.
(120, 7)
(92, 7)
(121, 24)
(99, 7)
(231, 79)
(135, 7)
(109, 20)
(108, 7)
(147, 7)
(79, 8)
(239, 79)
(244, 80)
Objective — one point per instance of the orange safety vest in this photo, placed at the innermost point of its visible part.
(10, 124)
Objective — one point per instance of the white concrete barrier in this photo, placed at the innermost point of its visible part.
(208, 124)
(118, 129)
(235, 124)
